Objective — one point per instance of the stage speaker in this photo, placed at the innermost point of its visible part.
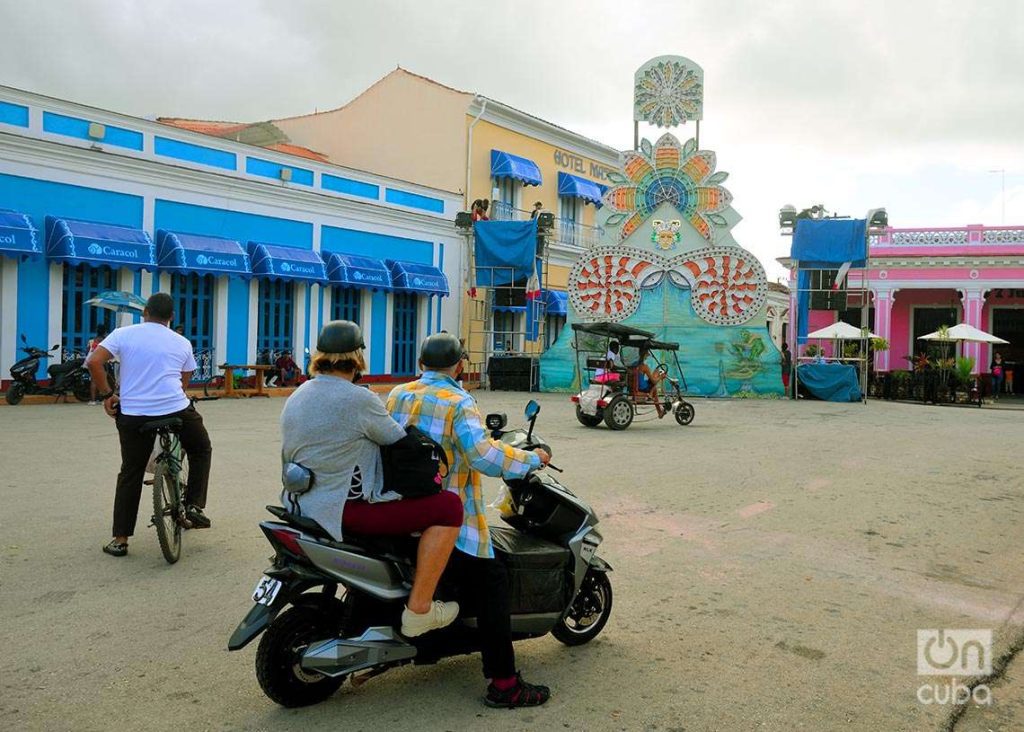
(464, 220)
(546, 221)
(511, 373)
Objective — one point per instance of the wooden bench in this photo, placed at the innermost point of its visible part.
(229, 379)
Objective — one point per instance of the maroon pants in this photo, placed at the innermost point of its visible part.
(402, 517)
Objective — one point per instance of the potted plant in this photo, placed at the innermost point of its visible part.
(963, 371)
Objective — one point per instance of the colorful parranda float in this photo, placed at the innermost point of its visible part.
(668, 262)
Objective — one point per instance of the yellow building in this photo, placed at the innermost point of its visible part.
(412, 128)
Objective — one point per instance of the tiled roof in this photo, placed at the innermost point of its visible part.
(302, 152)
(203, 126)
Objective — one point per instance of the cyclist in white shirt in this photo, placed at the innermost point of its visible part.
(156, 365)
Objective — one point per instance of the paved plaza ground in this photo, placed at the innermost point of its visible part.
(773, 564)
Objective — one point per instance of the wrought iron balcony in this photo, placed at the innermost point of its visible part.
(566, 231)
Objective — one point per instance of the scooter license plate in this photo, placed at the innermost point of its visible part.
(266, 591)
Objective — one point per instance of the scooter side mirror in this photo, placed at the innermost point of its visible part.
(23, 338)
(56, 347)
(532, 409)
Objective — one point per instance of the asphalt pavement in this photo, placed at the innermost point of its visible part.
(773, 564)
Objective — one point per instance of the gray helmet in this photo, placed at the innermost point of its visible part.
(440, 351)
(340, 336)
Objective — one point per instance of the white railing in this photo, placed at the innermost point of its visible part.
(947, 237)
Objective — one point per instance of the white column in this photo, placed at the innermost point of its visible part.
(301, 292)
(220, 319)
(56, 318)
(254, 301)
(9, 307)
(325, 309)
(389, 329)
(366, 319)
(125, 283)
(314, 315)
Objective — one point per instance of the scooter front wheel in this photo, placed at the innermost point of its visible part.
(14, 393)
(589, 612)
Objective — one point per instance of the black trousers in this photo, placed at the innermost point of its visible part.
(136, 447)
(483, 590)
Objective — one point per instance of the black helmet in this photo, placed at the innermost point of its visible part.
(340, 336)
(440, 351)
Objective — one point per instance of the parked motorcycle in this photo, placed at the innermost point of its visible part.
(558, 586)
(68, 377)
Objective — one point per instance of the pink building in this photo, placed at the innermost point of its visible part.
(921, 279)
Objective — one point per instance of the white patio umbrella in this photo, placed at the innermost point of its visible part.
(840, 331)
(963, 332)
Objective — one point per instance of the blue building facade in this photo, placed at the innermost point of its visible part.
(257, 248)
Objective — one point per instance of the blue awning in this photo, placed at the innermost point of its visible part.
(576, 187)
(348, 270)
(414, 277)
(556, 302)
(17, 234)
(286, 263)
(84, 242)
(506, 165)
(201, 254)
(509, 308)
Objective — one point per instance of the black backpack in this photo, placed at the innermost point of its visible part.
(413, 465)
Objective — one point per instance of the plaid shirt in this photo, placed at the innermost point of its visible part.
(439, 407)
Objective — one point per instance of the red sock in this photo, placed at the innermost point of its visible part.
(504, 684)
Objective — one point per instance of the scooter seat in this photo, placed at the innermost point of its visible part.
(63, 368)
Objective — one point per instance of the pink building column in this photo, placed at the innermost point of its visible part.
(883, 325)
(973, 299)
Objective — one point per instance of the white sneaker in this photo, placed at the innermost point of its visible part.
(439, 615)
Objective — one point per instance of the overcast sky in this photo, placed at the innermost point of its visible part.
(906, 104)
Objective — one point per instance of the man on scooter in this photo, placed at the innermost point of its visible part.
(438, 406)
(156, 365)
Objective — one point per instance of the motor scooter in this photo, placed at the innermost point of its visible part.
(558, 585)
(70, 376)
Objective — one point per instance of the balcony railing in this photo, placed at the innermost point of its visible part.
(566, 232)
(966, 236)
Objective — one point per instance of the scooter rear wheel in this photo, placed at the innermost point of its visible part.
(14, 393)
(83, 390)
(589, 612)
(280, 652)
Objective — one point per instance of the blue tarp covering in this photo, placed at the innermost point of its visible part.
(84, 242)
(506, 165)
(286, 263)
(201, 254)
(348, 270)
(576, 187)
(818, 243)
(415, 277)
(557, 302)
(17, 234)
(831, 382)
(505, 251)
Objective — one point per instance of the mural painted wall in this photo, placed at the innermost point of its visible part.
(669, 264)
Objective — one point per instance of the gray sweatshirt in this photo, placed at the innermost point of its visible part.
(335, 428)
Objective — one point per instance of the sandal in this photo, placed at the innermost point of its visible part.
(115, 549)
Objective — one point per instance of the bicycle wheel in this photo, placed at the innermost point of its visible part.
(166, 509)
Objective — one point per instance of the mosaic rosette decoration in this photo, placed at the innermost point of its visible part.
(668, 92)
(727, 285)
(668, 172)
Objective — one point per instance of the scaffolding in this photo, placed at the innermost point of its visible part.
(836, 287)
(507, 322)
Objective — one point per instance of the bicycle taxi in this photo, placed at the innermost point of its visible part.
(625, 373)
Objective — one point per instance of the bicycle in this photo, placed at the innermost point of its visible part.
(170, 476)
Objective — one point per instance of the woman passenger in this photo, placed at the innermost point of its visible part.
(335, 429)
